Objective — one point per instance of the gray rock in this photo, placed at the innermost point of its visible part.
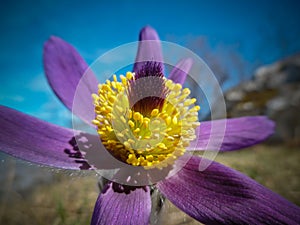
(275, 92)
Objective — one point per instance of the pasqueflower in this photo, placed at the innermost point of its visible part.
(153, 133)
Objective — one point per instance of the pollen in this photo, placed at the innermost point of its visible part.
(154, 137)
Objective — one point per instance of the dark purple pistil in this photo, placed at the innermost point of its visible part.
(147, 94)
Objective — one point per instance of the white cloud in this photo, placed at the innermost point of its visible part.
(54, 112)
(39, 84)
(13, 98)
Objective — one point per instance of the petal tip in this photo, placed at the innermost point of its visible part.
(186, 64)
(148, 33)
(51, 46)
(269, 124)
(265, 127)
(181, 70)
(52, 40)
(188, 60)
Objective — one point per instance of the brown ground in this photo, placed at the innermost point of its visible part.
(69, 199)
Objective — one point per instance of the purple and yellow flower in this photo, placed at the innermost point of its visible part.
(151, 132)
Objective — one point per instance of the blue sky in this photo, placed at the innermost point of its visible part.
(258, 31)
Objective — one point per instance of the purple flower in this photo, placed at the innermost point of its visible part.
(217, 195)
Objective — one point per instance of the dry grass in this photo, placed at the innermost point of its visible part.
(69, 199)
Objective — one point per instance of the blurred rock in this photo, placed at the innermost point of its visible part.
(274, 91)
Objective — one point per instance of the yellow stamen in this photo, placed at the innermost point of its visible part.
(154, 112)
(153, 139)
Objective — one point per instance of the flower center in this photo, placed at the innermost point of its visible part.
(145, 120)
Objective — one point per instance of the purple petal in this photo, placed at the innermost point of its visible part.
(240, 133)
(181, 70)
(220, 195)
(30, 139)
(149, 49)
(122, 205)
(64, 68)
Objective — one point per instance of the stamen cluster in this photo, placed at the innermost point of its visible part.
(152, 138)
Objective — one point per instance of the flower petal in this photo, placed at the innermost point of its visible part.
(149, 49)
(239, 133)
(220, 195)
(181, 70)
(30, 139)
(122, 205)
(64, 68)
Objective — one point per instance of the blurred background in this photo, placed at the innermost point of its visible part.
(253, 47)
